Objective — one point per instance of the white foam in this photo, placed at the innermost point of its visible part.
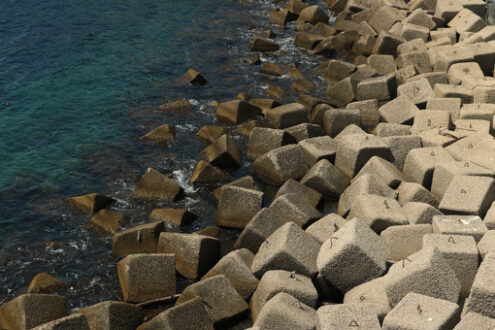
(182, 179)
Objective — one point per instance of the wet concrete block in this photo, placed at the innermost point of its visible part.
(305, 131)
(138, 239)
(113, 315)
(237, 206)
(223, 153)
(236, 111)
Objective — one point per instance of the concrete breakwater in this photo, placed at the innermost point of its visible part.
(369, 207)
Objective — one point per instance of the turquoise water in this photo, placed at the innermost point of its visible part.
(79, 84)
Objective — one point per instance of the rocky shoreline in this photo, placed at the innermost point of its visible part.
(370, 207)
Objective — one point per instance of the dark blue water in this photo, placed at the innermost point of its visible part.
(80, 81)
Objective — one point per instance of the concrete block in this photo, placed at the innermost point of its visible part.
(445, 171)
(449, 56)
(364, 184)
(391, 129)
(326, 179)
(417, 311)
(90, 203)
(31, 310)
(335, 120)
(414, 31)
(484, 94)
(385, 17)
(477, 148)
(420, 164)
(400, 146)
(468, 195)
(400, 110)
(295, 208)
(482, 297)
(283, 312)
(404, 240)
(326, 227)
(223, 153)
(462, 254)
(352, 256)
(474, 320)
(348, 316)
(138, 239)
(371, 292)
(288, 248)
(261, 226)
(262, 140)
(189, 315)
(313, 15)
(414, 192)
(351, 129)
(337, 70)
(478, 111)
(425, 272)
(381, 88)
(236, 266)
(243, 182)
(318, 148)
(444, 32)
(276, 281)
(237, 206)
(383, 64)
(113, 315)
(194, 254)
(487, 243)
(294, 187)
(288, 115)
(307, 40)
(459, 225)
(415, 45)
(147, 276)
(383, 169)
(342, 93)
(453, 91)
(432, 119)
(305, 131)
(368, 110)
(387, 43)
(281, 164)
(205, 173)
(236, 111)
(418, 91)
(466, 21)
(221, 300)
(418, 59)
(489, 219)
(451, 105)
(354, 150)
(68, 322)
(154, 185)
(420, 213)
(447, 9)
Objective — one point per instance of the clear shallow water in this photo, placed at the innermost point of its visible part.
(79, 84)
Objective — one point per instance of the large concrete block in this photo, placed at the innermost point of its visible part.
(383, 169)
(462, 254)
(285, 312)
(404, 240)
(261, 226)
(417, 311)
(373, 293)
(326, 179)
(418, 59)
(454, 91)
(368, 110)
(425, 272)
(382, 88)
(206, 173)
(467, 21)
(288, 248)
(418, 91)
(477, 148)
(420, 213)
(400, 146)
(414, 31)
(138, 239)
(237, 206)
(262, 140)
(387, 43)
(276, 281)
(221, 300)
(482, 297)
(468, 195)
(335, 120)
(425, 120)
(385, 17)
(354, 150)
(243, 182)
(223, 153)
(478, 111)
(489, 219)
(236, 266)
(487, 243)
(305, 131)
(347, 316)
(295, 208)
(292, 186)
(414, 192)
(154, 185)
(281, 164)
(364, 184)
(420, 164)
(112, 315)
(30, 310)
(326, 227)
(400, 110)
(377, 212)
(391, 129)
(194, 254)
(459, 225)
(145, 277)
(313, 15)
(443, 59)
(383, 64)
(447, 9)
(69, 322)
(318, 148)
(352, 256)
(189, 315)
(288, 115)
(445, 171)
(451, 105)
(474, 320)
(343, 92)
(90, 203)
(236, 111)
